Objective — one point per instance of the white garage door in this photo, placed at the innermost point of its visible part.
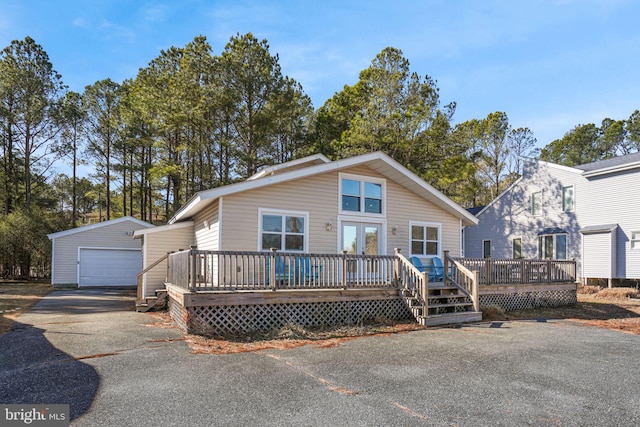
(109, 267)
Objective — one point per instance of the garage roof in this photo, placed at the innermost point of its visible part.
(98, 225)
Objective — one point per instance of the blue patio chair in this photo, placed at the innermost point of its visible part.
(305, 271)
(438, 269)
(418, 264)
(281, 271)
(434, 274)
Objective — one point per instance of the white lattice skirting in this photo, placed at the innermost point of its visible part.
(528, 300)
(234, 319)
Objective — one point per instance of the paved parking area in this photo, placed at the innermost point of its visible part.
(89, 348)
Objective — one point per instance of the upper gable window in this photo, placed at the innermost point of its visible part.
(635, 240)
(567, 199)
(360, 194)
(536, 203)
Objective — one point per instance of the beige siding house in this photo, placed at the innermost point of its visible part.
(368, 204)
(157, 242)
(102, 254)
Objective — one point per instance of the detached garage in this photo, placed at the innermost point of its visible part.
(102, 254)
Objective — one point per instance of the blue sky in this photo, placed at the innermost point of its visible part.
(549, 65)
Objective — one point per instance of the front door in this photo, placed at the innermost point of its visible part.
(360, 238)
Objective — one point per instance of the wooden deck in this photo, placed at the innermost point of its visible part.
(216, 292)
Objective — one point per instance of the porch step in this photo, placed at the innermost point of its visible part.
(152, 302)
(451, 318)
(446, 304)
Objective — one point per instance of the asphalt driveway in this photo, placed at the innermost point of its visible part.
(89, 348)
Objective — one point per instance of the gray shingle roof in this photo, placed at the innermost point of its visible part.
(615, 161)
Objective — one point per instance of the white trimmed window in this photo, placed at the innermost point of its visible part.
(283, 230)
(635, 240)
(362, 195)
(567, 199)
(552, 246)
(517, 248)
(486, 248)
(425, 239)
(536, 203)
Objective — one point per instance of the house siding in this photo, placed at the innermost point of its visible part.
(65, 248)
(155, 246)
(206, 234)
(510, 216)
(318, 195)
(612, 199)
(598, 200)
(598, 255)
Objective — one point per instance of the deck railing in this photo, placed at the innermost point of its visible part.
(202, 270)
(234, 270)
(520, 271)
(455, 272)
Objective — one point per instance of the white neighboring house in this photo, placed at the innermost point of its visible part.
(102, 254)
(588, 213)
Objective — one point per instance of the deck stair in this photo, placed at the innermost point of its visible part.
(446, 304)
(151, 303)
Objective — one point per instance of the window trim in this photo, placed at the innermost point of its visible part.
(484, 254)
(513, 248)
(362, 179)
(554, 255)
(573, 198)
(532, 209)
(634, 241)
(284, 212)
(424, 224)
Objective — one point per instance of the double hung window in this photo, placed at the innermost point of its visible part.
(567, 199)
(536, 203)
(517, 248)
(425, 239)
(635, 240)
(285, 231)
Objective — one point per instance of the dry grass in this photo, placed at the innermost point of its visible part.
(16, 298)
(615, 308)
(292, 336)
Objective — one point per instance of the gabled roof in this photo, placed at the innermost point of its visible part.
(98, 225)
(293, 164)
(615, 164)
(161, 228)
(479, 211)
(377, 161)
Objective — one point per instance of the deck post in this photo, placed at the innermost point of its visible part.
(488, 270)
(425, 294)
(344, 269)
(474, 290)
(445, 263)
(194, 260)
(272, 270)
(396, 267)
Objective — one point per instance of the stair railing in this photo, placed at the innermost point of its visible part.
(413, 281)
(141, 288)
(461, 276)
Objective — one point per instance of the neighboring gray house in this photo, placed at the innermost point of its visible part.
(101, 254)
(588, 213)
